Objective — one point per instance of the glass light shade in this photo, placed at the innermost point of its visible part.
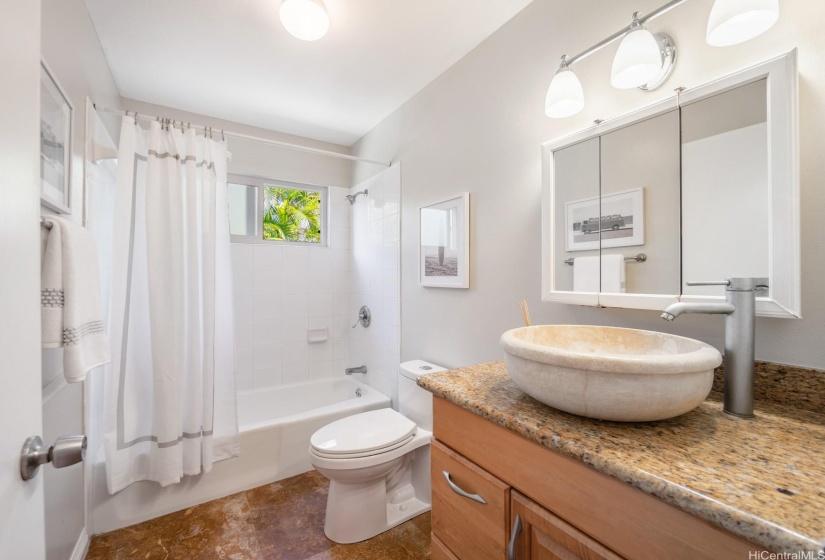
(565, 96)
(305, 19)
(638, 60)
(736, 21)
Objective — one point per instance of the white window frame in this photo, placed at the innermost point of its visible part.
(259, 183)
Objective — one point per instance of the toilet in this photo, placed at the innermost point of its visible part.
(378, 462)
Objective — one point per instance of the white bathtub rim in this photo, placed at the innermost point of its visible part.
(372, 396)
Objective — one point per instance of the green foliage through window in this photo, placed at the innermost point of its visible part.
(292, 215)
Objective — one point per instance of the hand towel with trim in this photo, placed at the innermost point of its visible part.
(70, 308)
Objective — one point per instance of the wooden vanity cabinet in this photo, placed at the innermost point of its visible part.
(566, 509)
(470, 509)
(541, 535)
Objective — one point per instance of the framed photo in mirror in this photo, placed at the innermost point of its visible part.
(56, 113)
(444, 248)
(612, 220)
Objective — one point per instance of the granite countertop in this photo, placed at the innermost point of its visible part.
(762, 479)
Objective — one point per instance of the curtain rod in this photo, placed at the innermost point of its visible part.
(279, 143)
(620, 33)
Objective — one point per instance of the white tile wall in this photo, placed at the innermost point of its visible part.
(375, 277)
(280, 292)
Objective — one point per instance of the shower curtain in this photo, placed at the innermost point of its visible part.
(170, 397)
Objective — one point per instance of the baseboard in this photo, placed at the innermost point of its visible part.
(81, 547)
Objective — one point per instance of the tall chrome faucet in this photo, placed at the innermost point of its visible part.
(740, 317)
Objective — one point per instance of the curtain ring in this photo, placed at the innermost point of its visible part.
(223, 138)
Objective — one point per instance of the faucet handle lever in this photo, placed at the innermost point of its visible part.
(709, 283)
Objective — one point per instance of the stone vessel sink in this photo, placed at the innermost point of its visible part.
(609, 373)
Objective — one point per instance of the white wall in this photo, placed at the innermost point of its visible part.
(280, 292)
(70, 47)
(479, 127)
(375, 280)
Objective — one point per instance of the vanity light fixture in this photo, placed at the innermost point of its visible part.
(735, 21)
(565, 96)
(305, 19)
(643, 60)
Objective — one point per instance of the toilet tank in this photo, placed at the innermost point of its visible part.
(414, 402)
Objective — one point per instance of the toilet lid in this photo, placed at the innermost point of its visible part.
(363, 433)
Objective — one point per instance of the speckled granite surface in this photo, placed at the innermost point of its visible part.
(800, 388)
(762, 479)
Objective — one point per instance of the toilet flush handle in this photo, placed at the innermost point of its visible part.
(460, 492)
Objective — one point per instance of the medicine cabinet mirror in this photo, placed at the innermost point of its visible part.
(703, 186)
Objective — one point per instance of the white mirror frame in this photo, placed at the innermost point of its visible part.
(784, 299)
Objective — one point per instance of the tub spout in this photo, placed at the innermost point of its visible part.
(359, 369)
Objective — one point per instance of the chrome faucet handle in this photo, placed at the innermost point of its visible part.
(709, 283)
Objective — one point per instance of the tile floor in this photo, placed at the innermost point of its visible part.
(280, 521)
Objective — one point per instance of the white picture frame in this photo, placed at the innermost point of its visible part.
(614, 220)
(444, 243)
(56, 118)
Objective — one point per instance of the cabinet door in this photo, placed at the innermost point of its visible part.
(439, 550)
(537, 534)
(470, 507)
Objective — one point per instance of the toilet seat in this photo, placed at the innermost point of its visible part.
(363, 435)
(362, 453)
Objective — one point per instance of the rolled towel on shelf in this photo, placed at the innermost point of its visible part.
(70, 306)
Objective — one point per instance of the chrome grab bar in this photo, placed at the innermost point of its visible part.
(460, 492)
(511, 546)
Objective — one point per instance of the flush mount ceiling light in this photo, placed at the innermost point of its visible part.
(644, 60)
(735, 21)
(305, 19)
(565, 96)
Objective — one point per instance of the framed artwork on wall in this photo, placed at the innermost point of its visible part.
(56, 113)
(613, 220)
(444, 243)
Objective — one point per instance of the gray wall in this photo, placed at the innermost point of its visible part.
(480, 125)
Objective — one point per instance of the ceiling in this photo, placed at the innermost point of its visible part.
(234, 60)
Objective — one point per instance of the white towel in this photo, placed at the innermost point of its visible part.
(70, 299)
(613, 274)
(586, 274)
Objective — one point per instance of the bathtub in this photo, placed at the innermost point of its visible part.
(275, 426)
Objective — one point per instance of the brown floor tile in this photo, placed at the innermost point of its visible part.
(280, 521)
(217, 529)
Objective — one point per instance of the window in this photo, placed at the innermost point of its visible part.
(264, 210)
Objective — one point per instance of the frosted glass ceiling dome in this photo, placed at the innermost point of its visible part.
(305, 19)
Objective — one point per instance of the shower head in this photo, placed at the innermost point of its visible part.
(351, 197)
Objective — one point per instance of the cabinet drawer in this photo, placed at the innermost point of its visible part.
(439, 550)
(472, 530)
(545, 536)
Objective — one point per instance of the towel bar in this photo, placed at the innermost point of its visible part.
(45, 223)
(641, 257)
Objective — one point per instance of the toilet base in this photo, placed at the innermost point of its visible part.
(357, 514)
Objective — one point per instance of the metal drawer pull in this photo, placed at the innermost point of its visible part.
(511, 547)
(460, 492)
